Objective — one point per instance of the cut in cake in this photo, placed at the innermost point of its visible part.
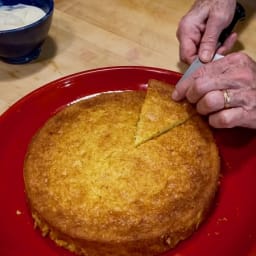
(159, 113)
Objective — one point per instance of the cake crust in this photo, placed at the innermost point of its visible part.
(93, 192)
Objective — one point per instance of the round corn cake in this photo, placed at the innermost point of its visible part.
(92, 191)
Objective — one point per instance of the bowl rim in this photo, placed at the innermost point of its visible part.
(45, 17)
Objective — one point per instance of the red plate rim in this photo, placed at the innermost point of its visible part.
(231, 226)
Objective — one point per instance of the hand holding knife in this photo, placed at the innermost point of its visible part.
(239, 15)
(222, 90)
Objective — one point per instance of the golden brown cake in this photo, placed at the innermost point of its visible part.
(160, 113)
(92, 191)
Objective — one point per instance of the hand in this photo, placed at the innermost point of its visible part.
(199, 29)
(232, 77)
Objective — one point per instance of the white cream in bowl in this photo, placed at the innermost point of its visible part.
(20, 15)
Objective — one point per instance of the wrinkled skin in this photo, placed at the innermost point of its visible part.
(198, 33)
(235, 73)
(199, 29)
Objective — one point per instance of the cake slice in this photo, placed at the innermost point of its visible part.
(160, 113)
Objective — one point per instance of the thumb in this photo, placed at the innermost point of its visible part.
(210, 38)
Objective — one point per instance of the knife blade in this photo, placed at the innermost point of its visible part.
(238, 16)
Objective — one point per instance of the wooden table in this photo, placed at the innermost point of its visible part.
(98, 33)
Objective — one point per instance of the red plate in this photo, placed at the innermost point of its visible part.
(230, 229)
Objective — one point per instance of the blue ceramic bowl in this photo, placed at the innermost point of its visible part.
(21, 45)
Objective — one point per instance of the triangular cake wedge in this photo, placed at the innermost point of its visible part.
(160, 113)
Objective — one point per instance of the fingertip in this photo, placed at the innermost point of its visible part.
(227, 118)
(183, 55)
(175, 95)
(190, 59)
(212, 121)
(187, 50)
(205, 55)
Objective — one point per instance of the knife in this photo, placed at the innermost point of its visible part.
(238, 16)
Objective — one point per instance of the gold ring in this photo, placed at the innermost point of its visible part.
(226, 99)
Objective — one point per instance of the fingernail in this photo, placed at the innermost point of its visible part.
(175, 95)
(206, 56)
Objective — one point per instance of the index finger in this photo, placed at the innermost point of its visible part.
(187, 50)
(181, 88)
(207, 71)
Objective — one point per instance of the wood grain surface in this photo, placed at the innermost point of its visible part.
(98, 33)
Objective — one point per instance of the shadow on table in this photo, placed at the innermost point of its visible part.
(17, 71)
(49, 50)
